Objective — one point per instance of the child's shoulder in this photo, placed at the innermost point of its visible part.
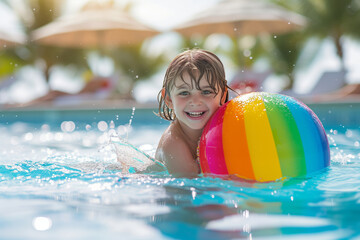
(175, 153)
(172, 138)
(172, 144)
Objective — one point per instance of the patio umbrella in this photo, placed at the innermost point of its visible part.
(10, 39)
(242, 17)
(93, 27)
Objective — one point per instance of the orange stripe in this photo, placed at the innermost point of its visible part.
(235, 145)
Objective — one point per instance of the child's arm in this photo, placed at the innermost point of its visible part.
(177, 157)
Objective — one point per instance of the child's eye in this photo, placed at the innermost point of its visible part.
(207, 92)
(184, 93)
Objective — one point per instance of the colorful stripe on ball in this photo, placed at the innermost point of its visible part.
(264, 137)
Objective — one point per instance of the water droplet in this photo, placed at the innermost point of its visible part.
(28, 136)
(275, 36)
(45, 127)
(112, 124)
(235, 29)
(130, 121)
(121, 130)
(348, 133)
(67, 126)
(102, 126)
(42, 223)
(247, 53)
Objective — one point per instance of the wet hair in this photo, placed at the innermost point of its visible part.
(196, 63)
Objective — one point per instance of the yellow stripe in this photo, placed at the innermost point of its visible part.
(261, 144)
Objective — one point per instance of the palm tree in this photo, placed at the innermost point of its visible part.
(329, 18)
(10, 61)
(42, 12)
(326, 18)
(136, 64)
(282, 52)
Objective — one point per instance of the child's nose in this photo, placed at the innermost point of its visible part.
(195, 100)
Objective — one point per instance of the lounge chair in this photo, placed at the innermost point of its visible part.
(330, 81)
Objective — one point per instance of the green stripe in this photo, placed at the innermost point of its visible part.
(286, 136)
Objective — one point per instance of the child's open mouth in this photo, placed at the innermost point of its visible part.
(195, 114)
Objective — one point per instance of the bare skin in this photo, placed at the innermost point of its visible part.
(178, 150)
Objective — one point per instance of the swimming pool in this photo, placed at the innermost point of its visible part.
(58, 179)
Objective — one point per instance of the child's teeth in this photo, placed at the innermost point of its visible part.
(195, 114)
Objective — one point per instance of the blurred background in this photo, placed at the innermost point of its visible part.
(88, 53)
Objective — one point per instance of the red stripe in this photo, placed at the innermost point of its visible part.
(202, 151)
(214, 143)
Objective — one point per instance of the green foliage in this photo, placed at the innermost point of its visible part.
(135, 63)
(10, 61)
(193, 42)
(8, 65)
(44, 11)
(331, 17)
(328, 18)
(283, 52)
(242, 56)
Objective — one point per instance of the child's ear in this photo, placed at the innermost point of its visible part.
(166, 98)
(224, 97)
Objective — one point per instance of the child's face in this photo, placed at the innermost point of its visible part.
(193, 107)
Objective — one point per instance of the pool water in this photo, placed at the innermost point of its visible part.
(60, 179)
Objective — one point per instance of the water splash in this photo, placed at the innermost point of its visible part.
(131, 158)
(130, 122)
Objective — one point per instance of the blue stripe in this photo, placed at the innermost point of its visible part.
(312, 135)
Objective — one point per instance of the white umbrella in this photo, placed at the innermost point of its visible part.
(10, 39)
(242, 17)
(11, 33)
(95, 27)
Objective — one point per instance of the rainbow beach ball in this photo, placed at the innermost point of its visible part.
(264, 137)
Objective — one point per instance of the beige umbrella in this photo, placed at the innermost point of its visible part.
(94, 27)
(242, 17)
(10, 39)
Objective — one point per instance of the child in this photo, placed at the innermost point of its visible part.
(194, 88)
